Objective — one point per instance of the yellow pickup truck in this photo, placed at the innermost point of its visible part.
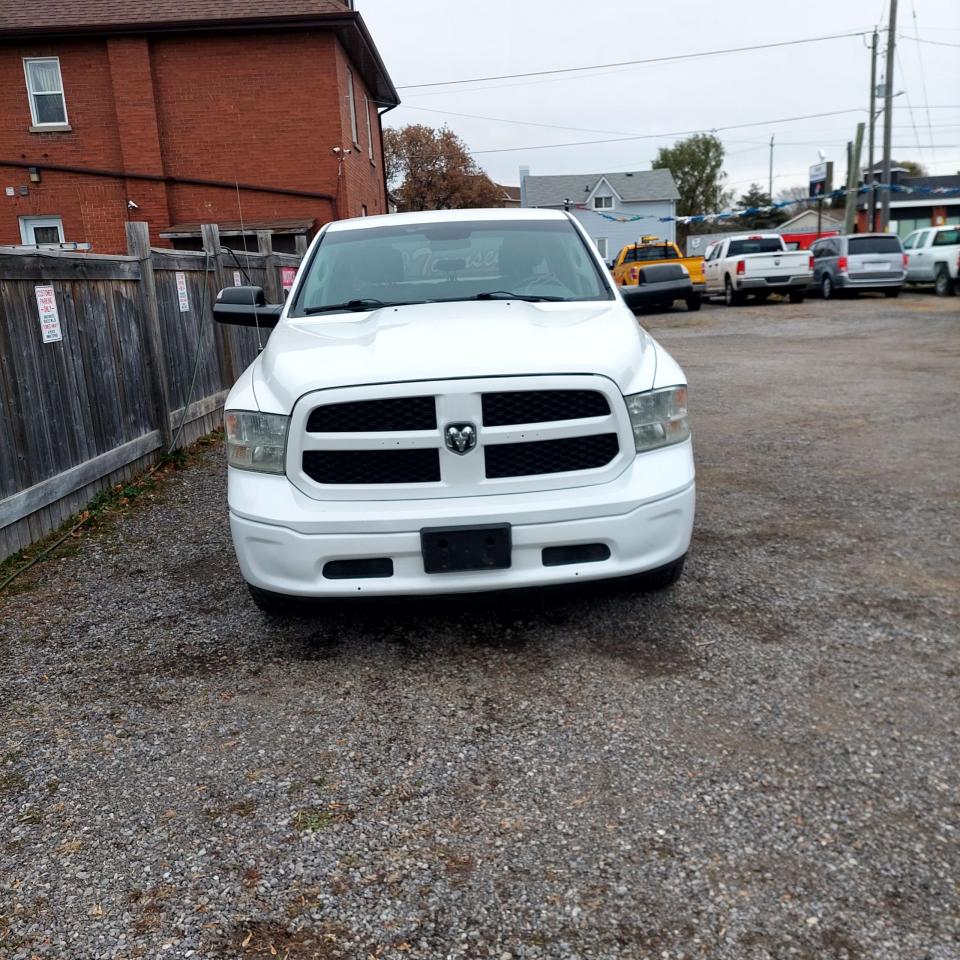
(650, 250)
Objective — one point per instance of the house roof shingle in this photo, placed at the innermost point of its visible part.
(631, 186)
(68, 15)
(110, 17)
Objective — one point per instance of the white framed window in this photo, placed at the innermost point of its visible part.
(367, 105)
(352, 102)
(48, 107)
(41, 231)
(603, 203)
(601, 243)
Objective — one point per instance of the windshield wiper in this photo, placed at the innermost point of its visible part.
(507, 295)
(356, 306)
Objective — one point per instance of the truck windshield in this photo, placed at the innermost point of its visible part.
(658, 252)
(756, 245)
(406, 263)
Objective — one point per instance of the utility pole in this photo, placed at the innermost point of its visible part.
(770, 180)
(888, 116)
(853, 180)
(871, 174)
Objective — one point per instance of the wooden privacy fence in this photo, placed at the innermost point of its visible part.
(105, 362)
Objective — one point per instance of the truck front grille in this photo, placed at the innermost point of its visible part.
(538, 457)
(542, 406)
(349, 467)
(393, 441)
(389, 414)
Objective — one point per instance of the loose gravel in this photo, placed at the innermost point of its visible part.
(762, 762)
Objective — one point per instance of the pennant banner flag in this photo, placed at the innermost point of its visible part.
(617, 217)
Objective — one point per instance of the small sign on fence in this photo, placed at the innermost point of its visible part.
(287, 276)
(49, 317)
(182, 295)
(237, 279)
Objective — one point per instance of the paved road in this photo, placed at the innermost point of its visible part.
(763, 762)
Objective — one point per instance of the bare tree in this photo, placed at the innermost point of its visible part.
(799, 194)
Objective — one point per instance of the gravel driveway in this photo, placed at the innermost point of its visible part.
(763, 762)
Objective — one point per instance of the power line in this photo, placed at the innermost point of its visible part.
(673, 133)
(923, 78)
(557, 126)
(523, 123)
(913, 122)
(935, 43)
(632, 63)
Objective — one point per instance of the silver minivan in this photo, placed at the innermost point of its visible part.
(858, 261)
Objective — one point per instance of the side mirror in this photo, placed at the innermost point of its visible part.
(635, 297)
(246, 307)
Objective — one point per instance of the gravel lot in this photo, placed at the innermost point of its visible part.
(763, 762)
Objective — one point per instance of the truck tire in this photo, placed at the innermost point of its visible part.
(826, 287)
(731, 297)
(942, 283)
(693, 302)
(796, 296)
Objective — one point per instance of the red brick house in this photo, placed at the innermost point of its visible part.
(196, 111)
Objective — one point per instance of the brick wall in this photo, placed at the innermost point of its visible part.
(259, 108)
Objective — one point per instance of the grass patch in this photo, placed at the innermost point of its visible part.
(31, 816)
(105, 508)
(11, 783)
(312, 819)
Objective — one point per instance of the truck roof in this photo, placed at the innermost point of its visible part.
(753, 236)
(449, 216)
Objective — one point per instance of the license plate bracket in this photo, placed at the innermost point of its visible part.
(463, 549)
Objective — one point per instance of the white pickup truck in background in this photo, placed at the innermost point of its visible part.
(933, 256)
(758, 265)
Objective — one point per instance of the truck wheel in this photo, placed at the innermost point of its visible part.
(826, 287)
(731, 297)
(943, 285)
(796, 296)
(278, 604)
(693, 302)
(662, 577)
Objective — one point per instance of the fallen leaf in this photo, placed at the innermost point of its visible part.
(246, 942)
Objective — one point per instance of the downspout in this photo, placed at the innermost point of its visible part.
(383, 156)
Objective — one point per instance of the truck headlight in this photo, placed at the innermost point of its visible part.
(658, 417)
(256, 441)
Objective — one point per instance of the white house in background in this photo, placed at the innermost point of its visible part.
(650, 194)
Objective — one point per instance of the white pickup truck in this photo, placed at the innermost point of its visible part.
(758, 265)
(933, 256)
(451, 402)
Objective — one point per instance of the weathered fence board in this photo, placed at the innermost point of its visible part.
(92, 409)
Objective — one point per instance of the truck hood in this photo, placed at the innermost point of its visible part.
(442, 341)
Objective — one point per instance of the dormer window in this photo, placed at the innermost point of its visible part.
(603, 203)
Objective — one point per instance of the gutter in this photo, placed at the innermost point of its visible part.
(162, 178)
(383, 157)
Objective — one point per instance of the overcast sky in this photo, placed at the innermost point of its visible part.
(422, 41)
